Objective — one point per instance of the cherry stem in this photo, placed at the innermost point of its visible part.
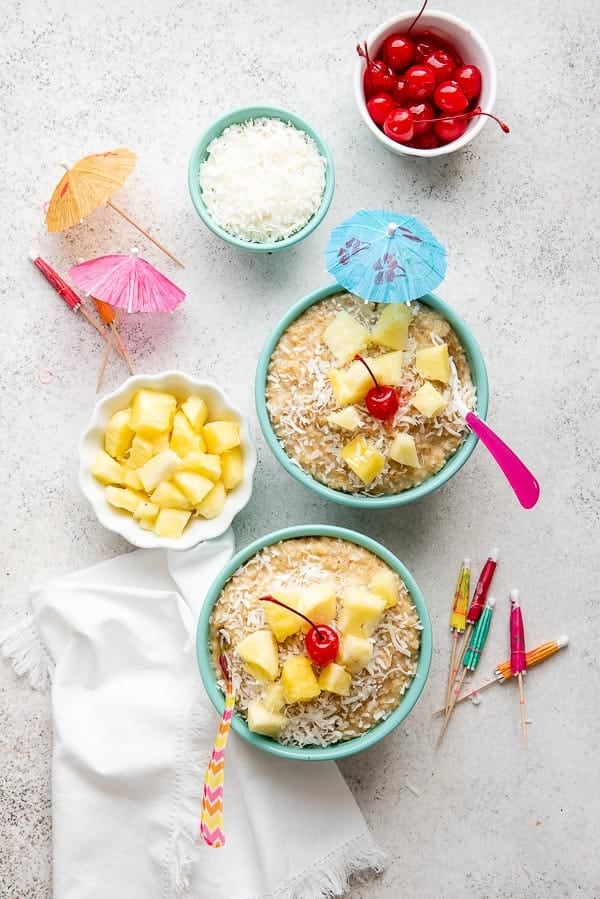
(416, 19)
(467, 115)
(278, 602)
(375, 381)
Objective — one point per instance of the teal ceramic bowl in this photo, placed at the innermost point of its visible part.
(347, 747)
(454, 463)
(235, 117)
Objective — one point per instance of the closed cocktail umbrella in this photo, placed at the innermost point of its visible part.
(518, 659)
(458, 620)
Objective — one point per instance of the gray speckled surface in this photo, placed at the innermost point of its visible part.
(518, 215)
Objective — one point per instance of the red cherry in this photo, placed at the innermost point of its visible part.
(399, 93)
(442, 64)
(461, 117)
(450, 97)
(425, 142)
(425, 49)
(322, 641)
(398, 51)
(420, 81)
(381, 402)
(420, 111)
(378, 77)
(322, 644)
(469, 78)
(399, 125)
(449, 128)
(379, 107)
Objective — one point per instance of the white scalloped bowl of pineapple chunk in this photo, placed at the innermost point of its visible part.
(167, 461)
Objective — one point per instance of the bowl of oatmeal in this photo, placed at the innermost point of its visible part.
(286, 703)
(261, 178)
(313, 396)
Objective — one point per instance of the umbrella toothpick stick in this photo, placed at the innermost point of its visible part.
(471, 657)
(503, 671)
(458, 618)
(109, 317)
(144, 232)
(518, 659)
(109, 344)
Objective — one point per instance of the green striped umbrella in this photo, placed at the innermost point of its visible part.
(477, 641)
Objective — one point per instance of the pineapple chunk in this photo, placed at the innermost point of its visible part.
(404, 450)
(274, 697)
(108, 470)
(363, 459)
(335, 679)
(168, 496)
(317, 602)
(298, 680)
(347, 419)
(152, 412)
(206, 464)
(124, 498)
(259, 653)
(361, 612)
(387, 585)
(428, 400)
(171, 522)
(262, 720)
(354, 653)
(391, 329)
(350, 385)
(433, 363)
(161, 443)
(213, 503)
(147, 512)
(345, 337)
(184, 439)
(221, 436)
(159, 468)
(118, 434)
(282, 622)
(140, 451)
(193, 486)
(132, 479)
(195, 410)
(232, 468)
(387, 368)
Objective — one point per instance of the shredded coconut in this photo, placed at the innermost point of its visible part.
(262, 180)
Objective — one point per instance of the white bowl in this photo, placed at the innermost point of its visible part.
(471, 47)
(180, 385)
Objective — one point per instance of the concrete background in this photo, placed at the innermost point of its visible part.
(479, 816)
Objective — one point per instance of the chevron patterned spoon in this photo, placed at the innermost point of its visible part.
(212, 827)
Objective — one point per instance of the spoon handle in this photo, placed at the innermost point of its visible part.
(212, 827)
(525, 486)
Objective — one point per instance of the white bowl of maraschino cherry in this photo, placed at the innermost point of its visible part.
(425, 83)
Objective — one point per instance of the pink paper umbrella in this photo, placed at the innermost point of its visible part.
(518, 658)
(127, 282)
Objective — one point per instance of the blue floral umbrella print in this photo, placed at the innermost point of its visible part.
(383, 257)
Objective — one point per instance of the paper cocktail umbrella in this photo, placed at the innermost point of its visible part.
(127, 282)
(89, 184)
(518, 660)
(478, 602)
(472, 655)
(66, 292)
(212, 829)
(458, 620)
(503, 672)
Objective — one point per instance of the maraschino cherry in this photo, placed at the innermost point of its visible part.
(322, 642)
(382, 402)
(449, 127)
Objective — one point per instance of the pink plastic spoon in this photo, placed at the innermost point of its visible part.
(525, 486)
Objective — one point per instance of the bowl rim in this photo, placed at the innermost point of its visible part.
(491, 81)
(244, 113)
(92, 435)
(454, 463)
(380, 730)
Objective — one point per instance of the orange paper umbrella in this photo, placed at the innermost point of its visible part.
(90, 183)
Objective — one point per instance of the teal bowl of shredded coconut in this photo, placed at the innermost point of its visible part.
(261, 178)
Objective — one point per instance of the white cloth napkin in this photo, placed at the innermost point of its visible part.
(133, 730)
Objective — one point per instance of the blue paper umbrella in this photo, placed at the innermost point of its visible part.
(385, 258)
